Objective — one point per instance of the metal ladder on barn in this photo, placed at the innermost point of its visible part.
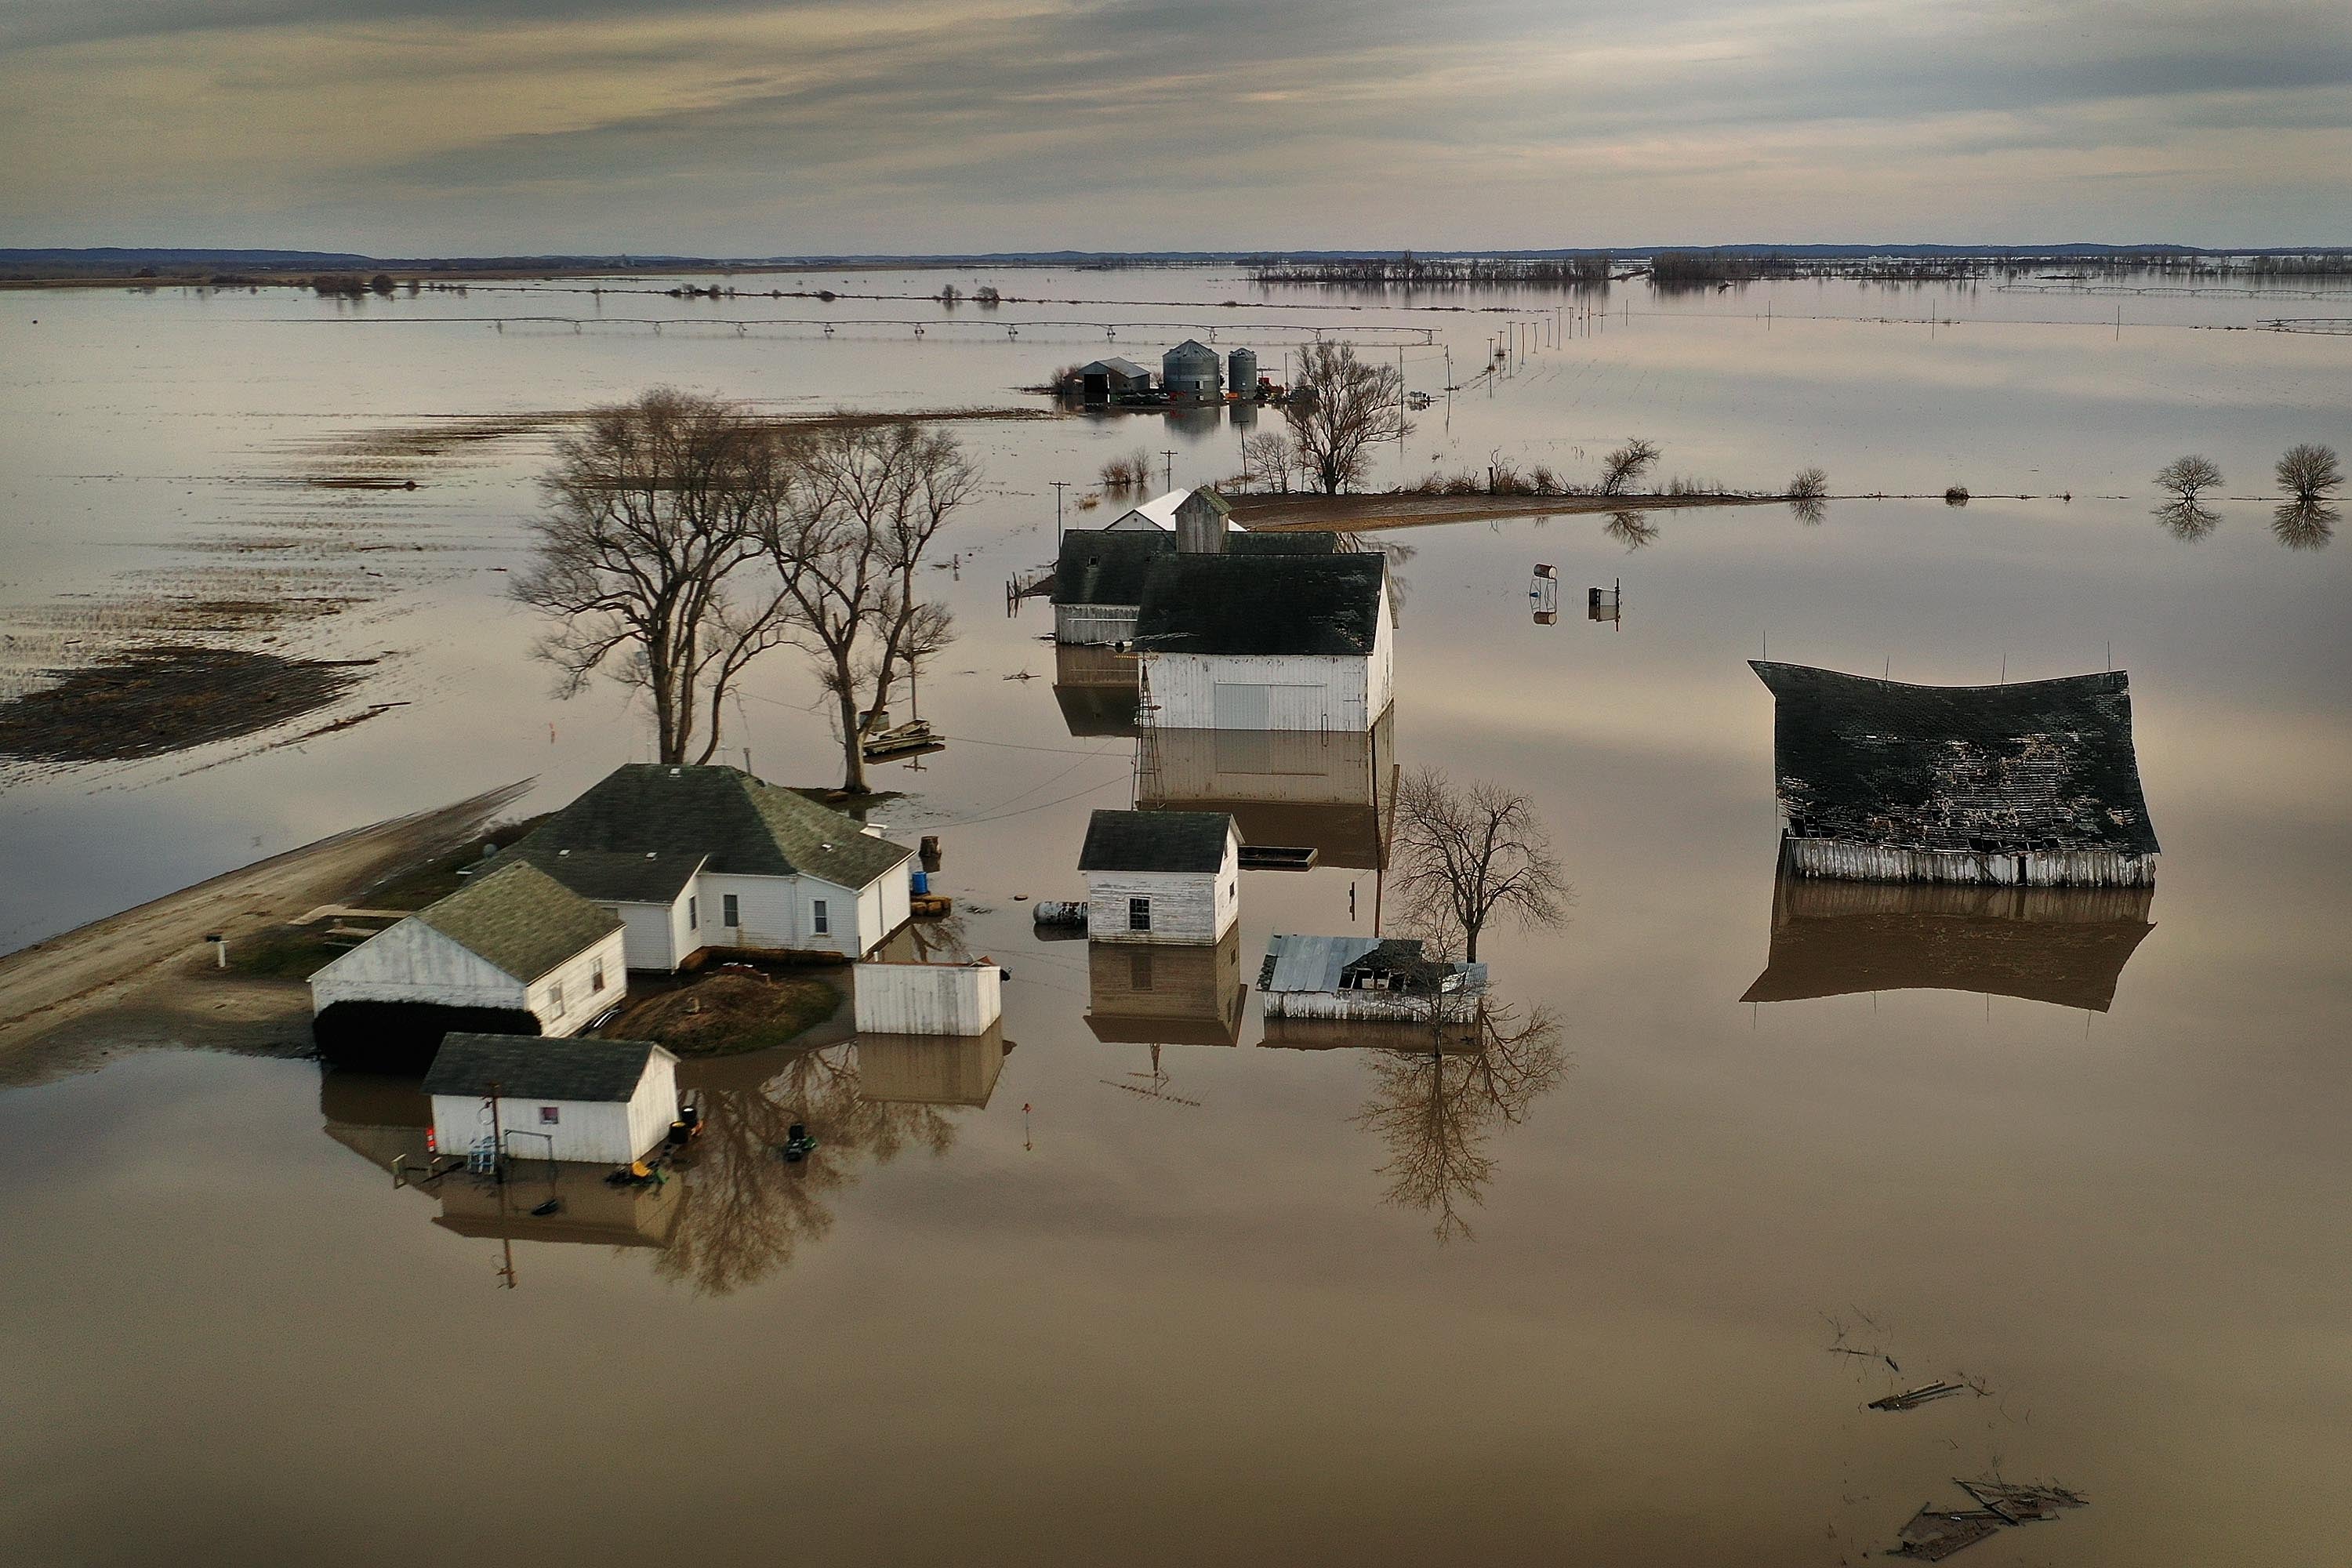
(482, 1159)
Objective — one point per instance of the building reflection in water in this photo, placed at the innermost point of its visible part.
(1097, 689)
(1158, 994)
(1287, 789)
(2067, 946)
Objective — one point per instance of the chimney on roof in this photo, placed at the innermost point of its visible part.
(1200, 523)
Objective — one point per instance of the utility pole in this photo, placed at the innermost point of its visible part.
(1169, 453)
(1059, 486)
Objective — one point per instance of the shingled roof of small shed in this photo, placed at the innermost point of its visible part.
(1100, 567)
(745, 825)
(1155, 841)
(520, 920)
(533, 1067)
(1256, 603)
(2037, 765)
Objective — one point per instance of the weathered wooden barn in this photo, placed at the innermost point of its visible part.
(590, 1101)
(514, 951)
(2065, 946)
(1191, 372)
(703, 857)
(1368, 979)
(1109, 380)
(2034, 784)
(1162, 875)
(1099, 579)
(1304, 797)
(1239, 641)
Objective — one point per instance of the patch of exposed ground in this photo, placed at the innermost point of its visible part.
(150, 965)
(164, 700)
(727, 1013)
(1356, 514)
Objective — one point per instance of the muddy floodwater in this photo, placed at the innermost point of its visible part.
(1114, 1291)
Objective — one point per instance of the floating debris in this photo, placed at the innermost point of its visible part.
(1916, 1397)
(1933, 1534)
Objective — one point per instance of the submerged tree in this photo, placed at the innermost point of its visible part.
(1627, 464)
(1269, 459)
(649, 557)
(2308, 472)
(2184, 478)
(1810, 484)
(864, 510)
(1340, 406)
(1634, 529)
(1465, 856)
(1438, 1107)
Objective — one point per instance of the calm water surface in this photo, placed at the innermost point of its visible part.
(1129, 1310)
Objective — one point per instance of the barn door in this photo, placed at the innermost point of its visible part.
(1243, 707)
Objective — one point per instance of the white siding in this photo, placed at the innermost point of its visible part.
(885, 904)
(652, 932)
(1380, 677)
(928, 998)
(1291, 691)
(767, 910)
(609, 1133)
(411, 962)
(1187, 907)
(1095, 626)
(582, 1000)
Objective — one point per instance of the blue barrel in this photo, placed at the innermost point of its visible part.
(922, 884)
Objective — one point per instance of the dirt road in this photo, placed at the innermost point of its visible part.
(125, 960)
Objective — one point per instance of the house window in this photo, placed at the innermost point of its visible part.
(550, 1115)
(596, 976)
(694, 914)
(820, 922)
(729, 914)
(556, 997)
(1139, 914)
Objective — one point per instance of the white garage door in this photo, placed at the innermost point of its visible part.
(1254, 707)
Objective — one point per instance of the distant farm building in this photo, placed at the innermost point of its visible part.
(711, 857)
(1162, 875)
(1238, 641)
(514, 952)
(1109, 380)
(1366, 979)
(2034, 784)
(1241, 372)
(1191, 372)
(587, 1102)
(1161, 514)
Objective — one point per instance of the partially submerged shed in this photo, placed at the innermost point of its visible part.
(1234, 641)
(593, 1102)
(1162, 875)
(1390, 978)
(1109, 380)
(2035, 784)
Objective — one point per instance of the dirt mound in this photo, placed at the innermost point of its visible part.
(162, 700)
(722, 1014)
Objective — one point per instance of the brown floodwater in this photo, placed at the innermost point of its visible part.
(1133, 1280)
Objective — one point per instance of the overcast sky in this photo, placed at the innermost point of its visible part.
(751, 127)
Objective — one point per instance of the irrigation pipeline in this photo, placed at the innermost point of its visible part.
(1257, 333)
(2326, 326)
(2194, 292)
(1000, 300)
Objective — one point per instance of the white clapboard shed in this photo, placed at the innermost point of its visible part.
(895, 998)
(1162, 875)
(1244, 641)
(590, 1101)
(515, 940)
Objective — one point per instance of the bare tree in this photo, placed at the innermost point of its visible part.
(1627, 464)
(1437, 1108)
(1340, 406)
(1465, 856)
(1269, 459)
(1810, 484)
(2309, 471)
(867, 504)
(649, 557)
(2183, 478)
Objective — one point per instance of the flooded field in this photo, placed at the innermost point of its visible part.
(1142, 1279)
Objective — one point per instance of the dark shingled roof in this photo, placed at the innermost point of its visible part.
(1155, 841)
(1263, 605)
(520, 920)
(1284, 542)
(528, 1066)
(745, 825)
(2040, 764)
(621, 877)
(1099, 567)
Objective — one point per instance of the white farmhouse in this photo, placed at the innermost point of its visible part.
(1231, 641)
(1162, 875)
(699, 857)
(1163, 513)
(514, 949)
(593, 1102)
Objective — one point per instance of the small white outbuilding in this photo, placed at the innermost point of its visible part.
(603, 1102)
(1162, 875)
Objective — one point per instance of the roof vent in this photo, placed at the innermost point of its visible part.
(563, 852)
(650, 854)
(674, 771)
(825, 847)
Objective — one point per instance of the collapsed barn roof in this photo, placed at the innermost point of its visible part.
(2013, 769)
(1253, 603)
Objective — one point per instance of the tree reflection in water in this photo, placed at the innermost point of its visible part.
(1808, 509)
(1438, 1109)
(743, 1211)
(2305, 525)
(1631, 529)
(2186, 521)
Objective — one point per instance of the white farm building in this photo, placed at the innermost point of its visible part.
(1162, 875)
(701, 858)
(590, 1101)
(1241, 641)
(514, 951)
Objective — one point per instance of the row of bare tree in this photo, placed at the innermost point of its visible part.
(685, 538)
